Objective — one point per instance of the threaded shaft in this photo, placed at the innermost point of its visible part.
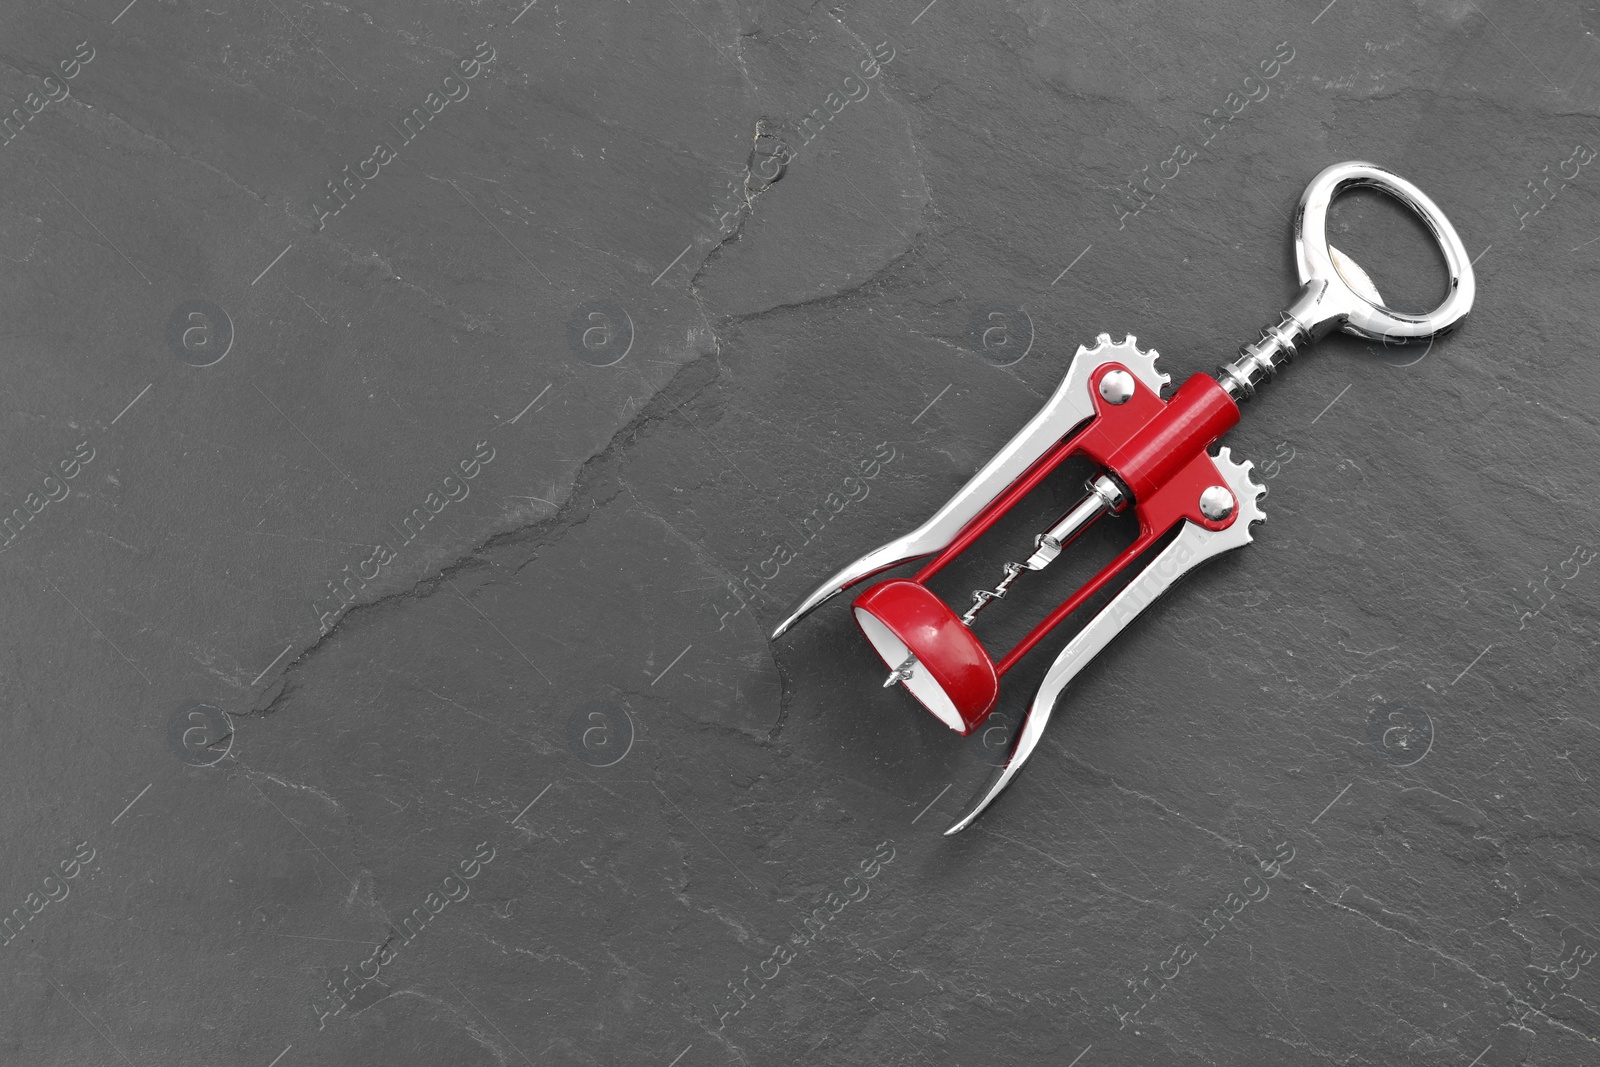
(1261, 359)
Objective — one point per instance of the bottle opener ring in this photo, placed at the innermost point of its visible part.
(1152, 452)
(1336, 292)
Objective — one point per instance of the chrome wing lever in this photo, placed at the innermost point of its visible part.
(1191, 547)
(1070, 405)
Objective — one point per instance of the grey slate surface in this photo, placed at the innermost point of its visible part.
(550, 717)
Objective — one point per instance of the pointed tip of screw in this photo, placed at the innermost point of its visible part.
(903, 672)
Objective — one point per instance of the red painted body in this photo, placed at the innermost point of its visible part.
(1198, 413)
(1156, 448)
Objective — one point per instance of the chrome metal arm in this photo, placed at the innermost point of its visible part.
(1192, 547)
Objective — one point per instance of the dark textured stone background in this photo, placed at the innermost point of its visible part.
(1361, 688)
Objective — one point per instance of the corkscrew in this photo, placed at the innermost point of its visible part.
(1153, 456)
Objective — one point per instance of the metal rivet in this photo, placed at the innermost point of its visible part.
(1116, 387)
(1216, 503)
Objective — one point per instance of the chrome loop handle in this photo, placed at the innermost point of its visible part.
(1328, 299)
(1336, 293)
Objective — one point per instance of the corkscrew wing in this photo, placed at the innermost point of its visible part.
(1069, 406)
(1192, 546)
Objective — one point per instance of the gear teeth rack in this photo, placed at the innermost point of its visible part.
(1153, 455)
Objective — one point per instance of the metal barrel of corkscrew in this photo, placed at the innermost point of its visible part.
(1153, 453)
